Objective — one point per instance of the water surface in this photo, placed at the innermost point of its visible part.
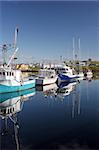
(55, 117)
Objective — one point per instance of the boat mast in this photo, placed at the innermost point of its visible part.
(15, 38)
(73, 52)
(78, 54)
(79, 46)
(15, 47)
(6, 47)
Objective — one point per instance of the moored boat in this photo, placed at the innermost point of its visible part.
(65, 74)
(88, 73)
(46, 77)
(11, 79)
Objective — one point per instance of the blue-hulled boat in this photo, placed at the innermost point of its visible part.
(65, 74)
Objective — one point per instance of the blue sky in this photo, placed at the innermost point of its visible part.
(46, 28)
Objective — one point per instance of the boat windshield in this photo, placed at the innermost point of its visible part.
(45, 73)
(63, 70)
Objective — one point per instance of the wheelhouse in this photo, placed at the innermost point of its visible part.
(9, 74)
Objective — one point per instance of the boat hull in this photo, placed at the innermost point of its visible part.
(6, 88)
(46, 81)
(66, 78)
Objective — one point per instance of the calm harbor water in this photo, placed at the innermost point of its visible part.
(52, 117)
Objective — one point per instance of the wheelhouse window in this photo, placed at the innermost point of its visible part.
(10, 110)
(9, 73)
(4, 73)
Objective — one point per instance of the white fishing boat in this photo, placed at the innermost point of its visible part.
(46, 77)
(11, 79)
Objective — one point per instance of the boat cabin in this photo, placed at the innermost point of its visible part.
(47, 73)
(64, 70)
(9, 74)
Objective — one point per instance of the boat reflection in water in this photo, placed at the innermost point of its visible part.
(10, 105)
(60, 91)
(66, 88)
(48, 90)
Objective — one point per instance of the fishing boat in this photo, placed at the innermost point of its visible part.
(66, 74)
(46, 77)
(10, 78)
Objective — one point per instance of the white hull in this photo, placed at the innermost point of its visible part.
(46, 81)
